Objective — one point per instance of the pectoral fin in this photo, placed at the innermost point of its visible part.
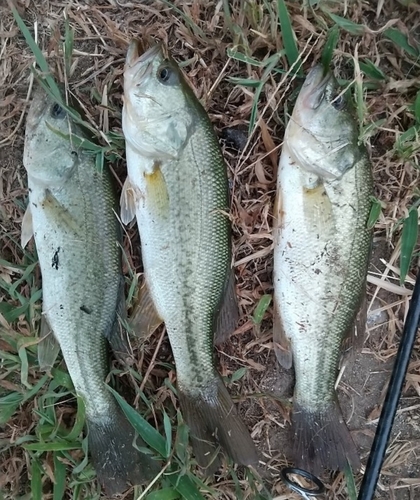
(318, 208)
(228, 314)
(145, 319)
(52, 205)
(27, 227)
(157, 194)
(282, 346)
(128, 202)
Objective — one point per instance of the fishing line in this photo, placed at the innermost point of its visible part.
(383, 431)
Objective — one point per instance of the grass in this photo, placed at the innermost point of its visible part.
(265, 47)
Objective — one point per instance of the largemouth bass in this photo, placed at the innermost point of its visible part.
(321, 256)
(77, 235)
(177, 187)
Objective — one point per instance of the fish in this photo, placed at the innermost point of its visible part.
(321, 254)
(177, 189)
(71, 214)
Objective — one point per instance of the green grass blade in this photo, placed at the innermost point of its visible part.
(181, 439)
(288, 35)
(53, 446)
(148, 433)
(39, 56)
(417, 107)
(329, 47)
(168, 432)
(59, 477)
(261, 308)
(346, 25)
(408, 242)
(375, 212)
(400, 40)
(36, 480)
(351, 484)
(163, 494)
(185, 486)
(79, 421)
(238, 374)
(372, 71)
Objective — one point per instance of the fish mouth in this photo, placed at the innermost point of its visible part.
(137, 52)
(314, 86)
(138, 61)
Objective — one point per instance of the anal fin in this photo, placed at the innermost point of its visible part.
(227, 315)
(27, 227)
(354, 341)
(282, 346)
(117, 334)
(144, 319)
(48, 346)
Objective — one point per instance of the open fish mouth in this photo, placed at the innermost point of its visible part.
(315, 85)
(138, 62)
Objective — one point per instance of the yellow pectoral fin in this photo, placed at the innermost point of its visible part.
(318, 208)
(58, 211)
(157, 194)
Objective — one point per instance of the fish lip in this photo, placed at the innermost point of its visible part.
(138, 63)
(136, 53)
(315, 84)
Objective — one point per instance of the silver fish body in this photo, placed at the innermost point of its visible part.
(322, 246)
(71, 214)
(177, 187)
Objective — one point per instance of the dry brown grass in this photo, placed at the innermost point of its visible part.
(102, 31)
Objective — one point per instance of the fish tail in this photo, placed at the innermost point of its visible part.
(322, 439)
(117, 463)
(213, 419)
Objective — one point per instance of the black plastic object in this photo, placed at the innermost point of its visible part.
(383, 431)
(313, 492)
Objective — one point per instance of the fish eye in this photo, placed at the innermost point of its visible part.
(164, 74)
(339, 102)
(57, 111)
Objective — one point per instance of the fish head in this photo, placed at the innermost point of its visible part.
(322, 133)
(48, 156)
(158, 112)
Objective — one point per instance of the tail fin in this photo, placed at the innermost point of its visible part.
(322, 440)
(117, 463)
(213, 419)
